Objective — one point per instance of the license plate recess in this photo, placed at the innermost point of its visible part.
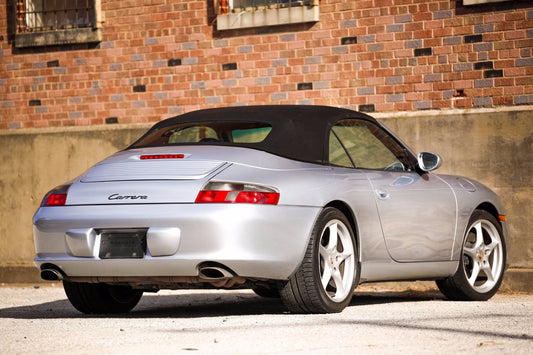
(123, 244)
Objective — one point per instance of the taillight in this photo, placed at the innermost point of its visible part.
(56, 200)
(224, 192)
(56, 197)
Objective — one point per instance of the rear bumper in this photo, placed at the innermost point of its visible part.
(254, 241)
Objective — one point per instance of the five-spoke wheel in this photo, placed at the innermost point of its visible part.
(482, 264)
(328, 274)
(336, 260)
(483, 256)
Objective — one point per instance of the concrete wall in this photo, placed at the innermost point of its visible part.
(34, 162)
(494, 147)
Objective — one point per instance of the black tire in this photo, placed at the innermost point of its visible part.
(101, 298)
(483, 259)
(267, 292)
(304, 292)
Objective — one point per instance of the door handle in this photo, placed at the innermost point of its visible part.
(382, 194)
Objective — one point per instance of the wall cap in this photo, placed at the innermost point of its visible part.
(451, 111)
(377, 115)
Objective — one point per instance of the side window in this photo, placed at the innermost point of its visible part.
(370, 147)
(337, 154)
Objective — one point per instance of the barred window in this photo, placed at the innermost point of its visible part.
(47, 15)
(481, 2)
(71, 21)
(243, 5)
(233, 14)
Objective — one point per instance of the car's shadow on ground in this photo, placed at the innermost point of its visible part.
(211, 304)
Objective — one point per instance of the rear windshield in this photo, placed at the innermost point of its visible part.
(206, 133)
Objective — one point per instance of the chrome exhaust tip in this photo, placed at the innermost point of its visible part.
(214, 273)
(51, 275)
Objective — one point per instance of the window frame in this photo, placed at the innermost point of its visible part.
(91, 33)
(481, 2)
(264, 13)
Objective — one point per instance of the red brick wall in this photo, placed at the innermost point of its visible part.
(159, 58)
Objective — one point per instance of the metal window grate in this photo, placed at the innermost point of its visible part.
(49, 15)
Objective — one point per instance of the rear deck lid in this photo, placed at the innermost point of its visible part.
(151, 170)
(144, 176)
(138, 167)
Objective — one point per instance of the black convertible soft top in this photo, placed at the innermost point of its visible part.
(299, 132)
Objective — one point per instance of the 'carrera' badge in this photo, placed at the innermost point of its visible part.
(127, 197)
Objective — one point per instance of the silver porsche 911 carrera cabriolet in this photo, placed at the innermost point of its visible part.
(298, 202)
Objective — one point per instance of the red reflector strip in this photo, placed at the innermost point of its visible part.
(254, 197)
(212, 197)
(502, 218)
(56, 200)
(162, 156)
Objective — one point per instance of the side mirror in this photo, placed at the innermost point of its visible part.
(428, 161)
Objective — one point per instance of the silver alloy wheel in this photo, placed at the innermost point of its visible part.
(483, 256)
(329, 271)
(336, 260)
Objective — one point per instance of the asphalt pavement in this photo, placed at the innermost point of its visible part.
(379, 320)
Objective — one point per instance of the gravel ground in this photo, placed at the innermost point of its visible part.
(380, 319)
